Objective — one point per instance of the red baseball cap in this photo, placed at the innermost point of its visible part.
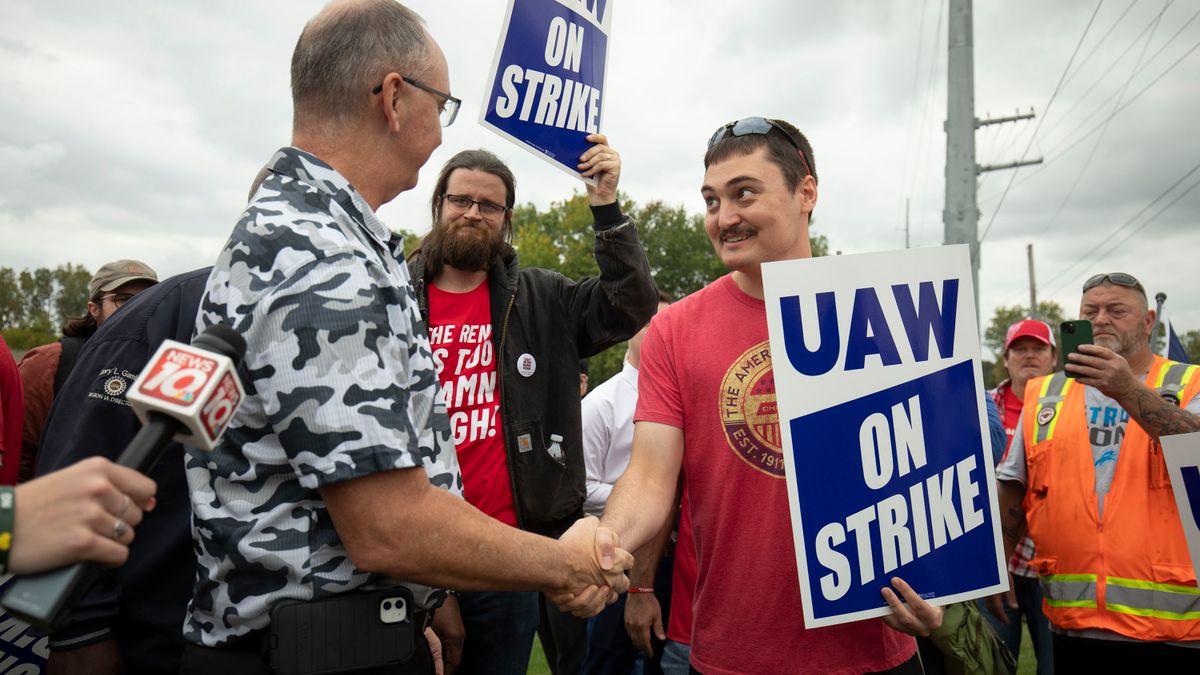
(1033, 328)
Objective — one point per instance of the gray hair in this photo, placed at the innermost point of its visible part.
(345, 49)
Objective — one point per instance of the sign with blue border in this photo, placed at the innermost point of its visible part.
(1181, 452)
(889, 467)
(546, 89)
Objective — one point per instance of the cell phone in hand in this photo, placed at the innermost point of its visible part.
(1074, 333)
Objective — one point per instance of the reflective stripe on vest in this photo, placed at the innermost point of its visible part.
(1070, 590)
(1050, 398)
(1146, 598)
(1173, 378)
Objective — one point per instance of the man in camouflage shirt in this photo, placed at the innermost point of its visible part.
(338, 472)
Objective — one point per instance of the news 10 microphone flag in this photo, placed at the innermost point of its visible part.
(880, 401)
(546, 89)
(197, 387)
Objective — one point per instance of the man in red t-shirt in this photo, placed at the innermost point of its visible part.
(1029, 352)
(506, 344)
(707, 404)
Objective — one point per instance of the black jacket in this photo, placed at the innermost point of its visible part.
(557, 321)
(141, 604)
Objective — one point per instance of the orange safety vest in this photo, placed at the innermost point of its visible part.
(1130, 571)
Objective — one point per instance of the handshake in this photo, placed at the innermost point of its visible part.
(596, 567)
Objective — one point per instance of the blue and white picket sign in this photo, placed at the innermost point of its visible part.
(1182, 454)
(546, 89)
(880, 392)
(23, 649)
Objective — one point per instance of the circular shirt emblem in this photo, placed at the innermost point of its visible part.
(1045, 415)
(526, 364)
(749, 412)
(115, 386)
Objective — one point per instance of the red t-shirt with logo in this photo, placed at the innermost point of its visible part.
(460, 333)
(683, 578)
(706, 369)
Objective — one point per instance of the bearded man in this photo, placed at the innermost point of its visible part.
(506, 345)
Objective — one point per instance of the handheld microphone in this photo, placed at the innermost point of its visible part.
(187, 393)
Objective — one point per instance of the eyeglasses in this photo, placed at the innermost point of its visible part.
(487, 209)
(1116, 279)
(117, 299)
(756, 125)
(450, 105)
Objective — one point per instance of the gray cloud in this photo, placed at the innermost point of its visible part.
(134, 128)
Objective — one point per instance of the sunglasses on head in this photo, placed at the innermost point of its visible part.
(760, 126)
(1116, 279)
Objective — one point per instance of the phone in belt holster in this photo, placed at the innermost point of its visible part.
(344, 633)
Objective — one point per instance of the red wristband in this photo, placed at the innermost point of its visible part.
(640, 589)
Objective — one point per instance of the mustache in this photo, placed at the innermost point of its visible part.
(739, 231)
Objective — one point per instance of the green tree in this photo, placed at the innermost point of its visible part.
(1191, 343)
(680, 255)
(37, 291)
(1049, 311)
(679, 252)
(72, 296)
(559, 238)
(12, 308)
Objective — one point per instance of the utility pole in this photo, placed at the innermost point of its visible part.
(1033, 306)
(960, 217)
(961, 214)
(906, 245)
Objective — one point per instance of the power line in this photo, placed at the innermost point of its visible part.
(1062, 150)
(1104, 77)
(1130, 102)
(1045, 111)
(1103, 40)
(1088, 256)
(1100, 139)
(932, 90)
(1140, 70)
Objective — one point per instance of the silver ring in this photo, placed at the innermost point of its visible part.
(119, 529)
(124, 507)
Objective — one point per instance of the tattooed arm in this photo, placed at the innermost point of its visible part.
(1158, 416)
(1109, 372)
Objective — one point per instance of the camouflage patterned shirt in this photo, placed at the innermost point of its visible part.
(340, 384)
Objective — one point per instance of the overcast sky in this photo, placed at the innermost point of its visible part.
(133, 129)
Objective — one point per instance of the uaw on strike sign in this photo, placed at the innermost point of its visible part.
(889, 472)
(546, 89)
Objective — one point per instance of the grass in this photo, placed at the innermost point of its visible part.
(1026, 666)
(537, 660)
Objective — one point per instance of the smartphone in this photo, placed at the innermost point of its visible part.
(1074, 333)
(362, 629)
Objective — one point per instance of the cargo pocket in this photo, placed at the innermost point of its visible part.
(1176, 599)
(543, 483)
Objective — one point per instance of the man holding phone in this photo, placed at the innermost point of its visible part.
(1114, 565)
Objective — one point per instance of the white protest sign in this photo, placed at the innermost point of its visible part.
(546, 88)
(1182, 454)
(885, 438)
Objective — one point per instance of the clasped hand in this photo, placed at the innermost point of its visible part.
(596, 565)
